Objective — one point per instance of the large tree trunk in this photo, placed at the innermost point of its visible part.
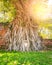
(23, 36)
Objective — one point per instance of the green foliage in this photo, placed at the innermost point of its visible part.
(45, 30)
(26, 58)
(7, 11)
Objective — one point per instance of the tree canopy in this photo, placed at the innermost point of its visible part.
(7, 11)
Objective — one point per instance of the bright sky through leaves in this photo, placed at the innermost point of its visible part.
(41, 10)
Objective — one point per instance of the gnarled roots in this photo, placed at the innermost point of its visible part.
(23, 39)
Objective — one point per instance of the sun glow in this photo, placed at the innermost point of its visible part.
(41, 10)
(49, 2)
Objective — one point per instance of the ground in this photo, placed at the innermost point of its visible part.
(26, 58)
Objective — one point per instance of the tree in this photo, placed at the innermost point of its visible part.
(22, 33)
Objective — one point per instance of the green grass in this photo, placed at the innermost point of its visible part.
(26, 58)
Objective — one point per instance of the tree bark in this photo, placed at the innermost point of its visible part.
(23, 36)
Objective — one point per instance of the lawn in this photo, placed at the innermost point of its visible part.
(26, 58)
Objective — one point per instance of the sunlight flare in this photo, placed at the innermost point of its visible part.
(41, 10)
(49, 2)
